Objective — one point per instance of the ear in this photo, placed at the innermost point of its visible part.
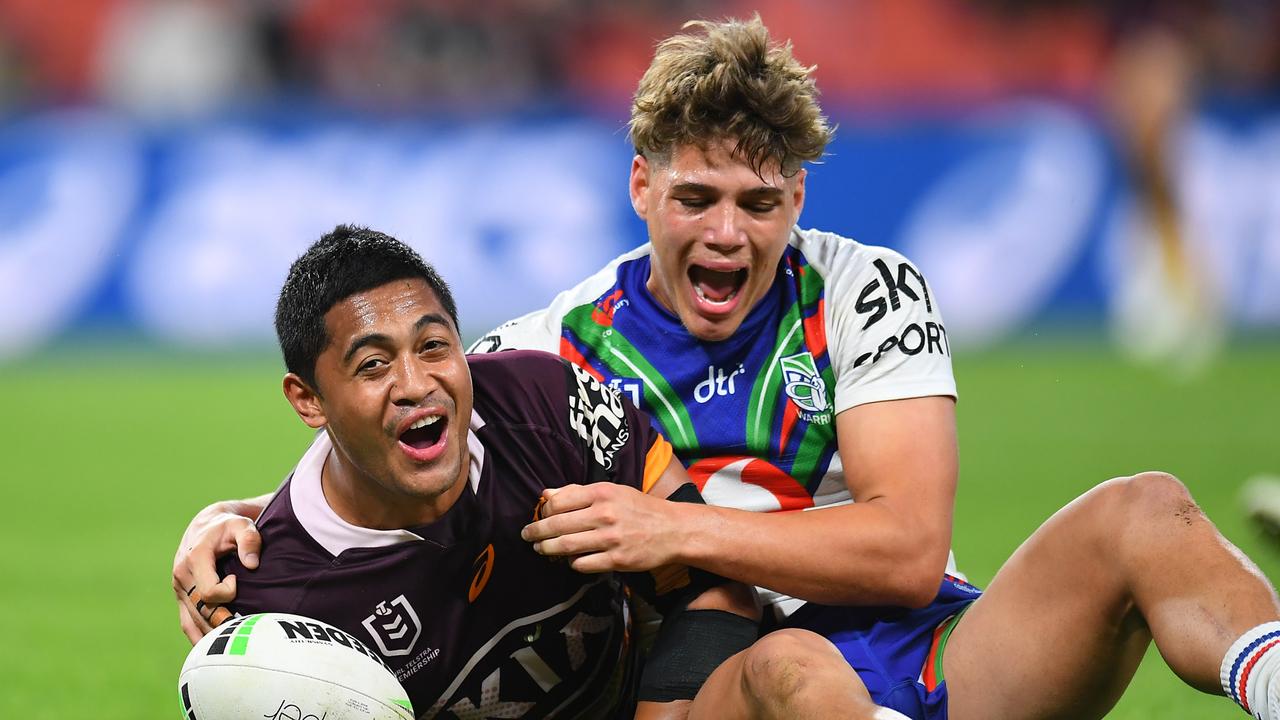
(797, 194)
(639, 185)
(305, 401)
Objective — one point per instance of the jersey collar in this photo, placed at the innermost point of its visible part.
(333, 533)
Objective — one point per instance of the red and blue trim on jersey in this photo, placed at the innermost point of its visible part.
(723, 405)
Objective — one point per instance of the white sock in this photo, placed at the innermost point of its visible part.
(1248, 669)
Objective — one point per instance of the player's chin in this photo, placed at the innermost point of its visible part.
(711, 329)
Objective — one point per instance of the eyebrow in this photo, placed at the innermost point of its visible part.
(382, 338)
(695, 187)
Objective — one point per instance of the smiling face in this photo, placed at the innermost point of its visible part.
(393, 391)
(718, 231)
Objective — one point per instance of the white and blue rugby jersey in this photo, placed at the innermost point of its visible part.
(752, 417)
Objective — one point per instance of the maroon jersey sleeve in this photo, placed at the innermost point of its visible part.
(606, 437)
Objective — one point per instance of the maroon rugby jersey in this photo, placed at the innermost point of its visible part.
(473, 622)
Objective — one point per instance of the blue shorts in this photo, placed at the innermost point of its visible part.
(895, 651)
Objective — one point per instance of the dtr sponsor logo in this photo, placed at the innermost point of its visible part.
(718, 383)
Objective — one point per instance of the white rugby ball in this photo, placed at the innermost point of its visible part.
(279, 666)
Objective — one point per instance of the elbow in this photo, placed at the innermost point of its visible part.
(919, 590)
(918, 579)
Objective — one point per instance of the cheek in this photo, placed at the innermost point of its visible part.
(769, 251)
(361, 413)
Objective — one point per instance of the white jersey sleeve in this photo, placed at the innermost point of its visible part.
(540, 329)
(884, 331)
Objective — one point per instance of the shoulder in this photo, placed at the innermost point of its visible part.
(525, 392)
(516, 371)
(290, 558)
(844, 259)
(540, 329)
(866, 281)
(520, 387)
(530, 385)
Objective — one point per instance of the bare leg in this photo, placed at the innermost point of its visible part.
(787, 674)
(1065, 622)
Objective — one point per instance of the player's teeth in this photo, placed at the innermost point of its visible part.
(428, 420)
(703, 295)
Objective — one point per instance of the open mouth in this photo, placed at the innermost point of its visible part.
(716, 287)
(425, 433)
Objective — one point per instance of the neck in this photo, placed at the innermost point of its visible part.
(365, 502)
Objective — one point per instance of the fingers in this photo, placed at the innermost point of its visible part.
(193, 626)
(199, 591)
(206, 592)
(196, 615)
(593, 563)
(577, 543)
(564, 524)
(248, 545)
(569, 498)
(220, 593)
(562, 511)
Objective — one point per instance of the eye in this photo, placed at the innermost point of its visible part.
(370, 365)
(694, 203)
(762, 207)
(434, 345)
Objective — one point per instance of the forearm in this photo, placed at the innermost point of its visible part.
(859, 554)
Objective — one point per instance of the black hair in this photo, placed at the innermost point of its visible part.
(346, 261)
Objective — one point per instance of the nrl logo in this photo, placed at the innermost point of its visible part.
(394, 626)
(804, 385)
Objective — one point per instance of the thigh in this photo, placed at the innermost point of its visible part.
(1054, 636)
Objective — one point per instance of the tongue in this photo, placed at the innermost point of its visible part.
(714, 284)
(423, 437)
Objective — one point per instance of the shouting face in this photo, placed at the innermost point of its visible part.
(394, 393)
(718, 231)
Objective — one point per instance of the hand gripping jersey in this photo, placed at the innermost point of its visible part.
(470, 619)
(753, 417)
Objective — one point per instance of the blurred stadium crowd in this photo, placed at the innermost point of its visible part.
(1111, 162)
(175, 58)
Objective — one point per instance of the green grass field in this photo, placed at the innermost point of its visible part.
(108, 454)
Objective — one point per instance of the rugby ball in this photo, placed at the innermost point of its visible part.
(279, 666)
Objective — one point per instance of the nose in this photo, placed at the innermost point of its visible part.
(412, 381)
(724, 230)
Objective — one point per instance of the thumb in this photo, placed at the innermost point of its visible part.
(249, 545)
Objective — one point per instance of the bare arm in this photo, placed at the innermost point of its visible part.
(889, 547)
(214, 531)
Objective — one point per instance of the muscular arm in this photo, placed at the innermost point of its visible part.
(889, 547)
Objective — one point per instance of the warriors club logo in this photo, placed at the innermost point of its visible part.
(804, 384)
(394, 626)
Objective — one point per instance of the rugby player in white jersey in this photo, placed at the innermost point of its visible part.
(794, 369)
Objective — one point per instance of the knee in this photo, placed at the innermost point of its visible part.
(1147, 497)
(781, 666)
